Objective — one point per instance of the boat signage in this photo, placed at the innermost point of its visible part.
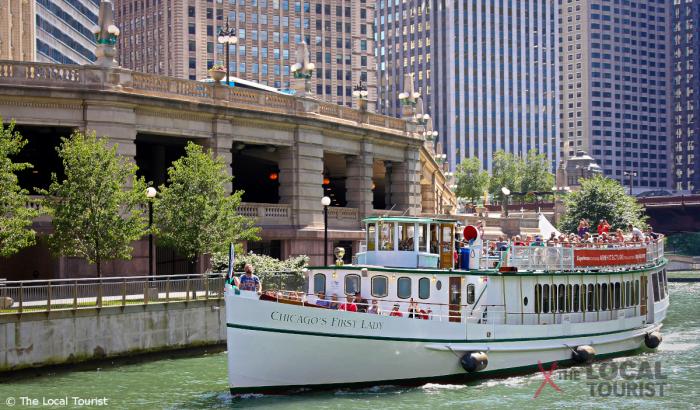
(609, 257)
(335, 322)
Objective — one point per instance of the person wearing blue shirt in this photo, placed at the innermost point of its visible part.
(249, 281)
(322, 301)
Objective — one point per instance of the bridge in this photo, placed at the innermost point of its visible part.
(286, 152)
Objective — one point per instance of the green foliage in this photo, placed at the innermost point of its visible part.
(535, 173)
(265, 267)
(15, 217)
(602, 198)
(472, 181)
(687, 243)
(505, 172)
(98, 210)
(194, 214)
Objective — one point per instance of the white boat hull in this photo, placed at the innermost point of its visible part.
(276, 347)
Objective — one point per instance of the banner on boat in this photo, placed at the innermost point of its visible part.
(609, 257)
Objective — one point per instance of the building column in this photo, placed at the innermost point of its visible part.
(116, 123)
(405, 181)
(428, 198)
(388, 180)
(358, 184)
(221, 145)
(301, 178)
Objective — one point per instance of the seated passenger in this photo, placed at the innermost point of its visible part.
(413, 310)
(334, 302)
(249, 281)
(349, 306)
(321, 301)
(362, 304)
(374, 309)
(395, 311)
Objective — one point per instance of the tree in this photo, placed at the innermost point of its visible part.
(195, 214)
(602, 198)
(471, 179)
(536, 175)
(506, 171)
(98, 210)
(15, 217)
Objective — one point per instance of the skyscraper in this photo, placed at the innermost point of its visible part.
(179, 38)
(686, 86)
(48, 31)
(488, 68)
(615, 90)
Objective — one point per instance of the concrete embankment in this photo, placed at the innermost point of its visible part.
(70, 336)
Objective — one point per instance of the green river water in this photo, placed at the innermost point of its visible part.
(200, 382)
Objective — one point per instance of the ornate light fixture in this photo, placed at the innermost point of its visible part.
(227, 37)
(360, 91)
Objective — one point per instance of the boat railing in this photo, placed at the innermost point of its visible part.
(579, 257)
(496, 314)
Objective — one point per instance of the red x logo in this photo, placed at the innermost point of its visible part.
(547, 378)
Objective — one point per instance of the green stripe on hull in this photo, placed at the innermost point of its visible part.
(403, 339)
(459, 377)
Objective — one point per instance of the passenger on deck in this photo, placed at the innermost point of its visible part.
(349, 306)
(249, 281)
(322, 301)
(334, 302)
(637, 235)
(362, 304)
(395, 311)
(374, 309)
(413, 310)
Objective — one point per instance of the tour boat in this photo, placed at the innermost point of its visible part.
(502, 312)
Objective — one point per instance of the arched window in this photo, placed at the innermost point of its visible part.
(538, 298)
(574, 308)
(597, 296)
(423, 288)
(554, 298)
(590, 298)
(635, 293)
(380, 286)
(319, 283)
(604, 300)
(545, 299)
(617, 295)
(562, 295)
(403, 288)
(352, 284)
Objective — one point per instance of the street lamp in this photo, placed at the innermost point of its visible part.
(227, 37)
(150, 194)
(506, 193)
(325, 201)
(630, 174)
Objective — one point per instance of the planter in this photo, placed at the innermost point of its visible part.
(217, 75)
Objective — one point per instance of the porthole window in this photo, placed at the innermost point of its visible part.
(525, 301)
(352, 284)
(438, 285)
(319, 282)
(424, 288)
(380, 286)
(403, 288)
(470, 294)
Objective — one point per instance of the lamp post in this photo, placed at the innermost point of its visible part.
(360, 92)
(505, 192)
(227, 37)
(325, 201)
(150, 194)
(630, 174)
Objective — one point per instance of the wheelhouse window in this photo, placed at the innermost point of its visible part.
(371, 232)
(424, 288)
(434, 245)
(406, 235)
(380, 286)
(470, 294)
(320, 283)
(352, 284)
(386, 236)
(422, 238)
(403, 288)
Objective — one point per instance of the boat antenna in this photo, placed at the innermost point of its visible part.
(390, 209)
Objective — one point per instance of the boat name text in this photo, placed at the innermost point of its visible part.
(323, 321)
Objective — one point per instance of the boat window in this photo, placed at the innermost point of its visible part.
(576, 299)
(545, 299)
(405, 238)
(423, 288)
(371, 231)
(568, 298)
(628, 293)
(380, 286)
(470, 294)
(591, 298)
(655, 286)
(661, 284)
(584, 299)
(422, 238)
(617, 295)
(665, 282)
(562, 295)
(597, 296)
(403, 288)
(319, 283)
(352, 284)
(538, 298)
(636, 292)
(386, 236)
(554, 298)
(604, 297)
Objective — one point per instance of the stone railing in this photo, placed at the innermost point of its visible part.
(266, 214)
(93, 78)
(340, 213)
